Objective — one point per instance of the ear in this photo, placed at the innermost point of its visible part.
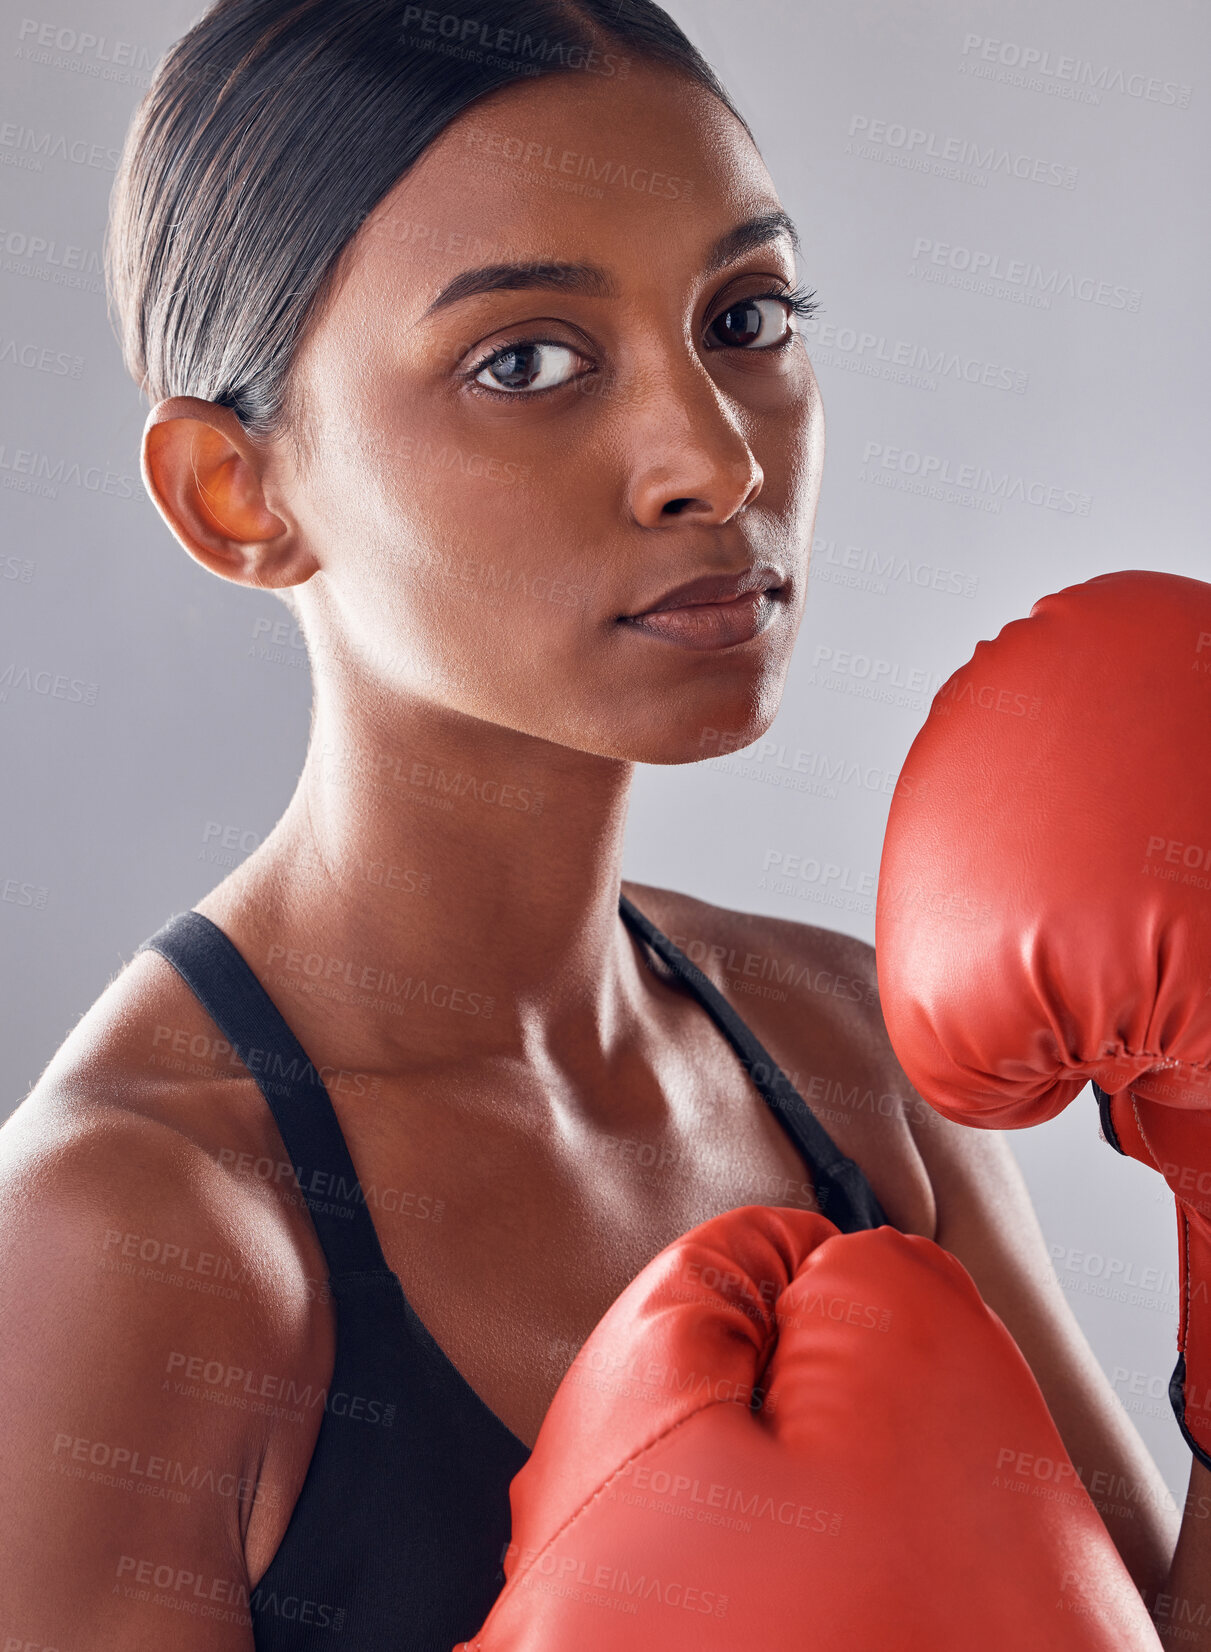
(207, 478)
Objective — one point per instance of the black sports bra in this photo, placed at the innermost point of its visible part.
(397, 1539)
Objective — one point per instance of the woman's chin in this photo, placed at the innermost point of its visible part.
(681, 742)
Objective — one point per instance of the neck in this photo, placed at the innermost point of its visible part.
(426, 846)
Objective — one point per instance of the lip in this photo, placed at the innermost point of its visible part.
(710, 588)
(713, 611)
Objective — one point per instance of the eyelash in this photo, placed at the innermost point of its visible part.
(802, 301)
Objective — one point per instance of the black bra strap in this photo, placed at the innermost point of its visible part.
(845, 1195)
(211, 965)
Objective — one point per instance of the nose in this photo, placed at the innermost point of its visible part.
(692, 457)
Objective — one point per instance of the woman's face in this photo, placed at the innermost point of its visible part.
(498, 480)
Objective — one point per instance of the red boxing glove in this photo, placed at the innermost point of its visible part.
(784, 1437)
(1044, 911)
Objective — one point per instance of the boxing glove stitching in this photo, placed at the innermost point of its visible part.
(615, 1474)
(1139, 1125)
(1177, 1382)
(1183, 1329)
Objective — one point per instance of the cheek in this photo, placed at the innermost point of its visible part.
(460, 568)
(811, 457)
(790, 451)
(817, 426)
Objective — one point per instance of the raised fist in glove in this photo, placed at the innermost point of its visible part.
(782, 1438)
(1044, 911)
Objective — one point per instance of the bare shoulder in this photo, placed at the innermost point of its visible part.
(811, 996)
(138, 1259)
(795, 977)
(146, 1111)
(87, 1181)
(125, 1161)
(751, 951)
(803, 988)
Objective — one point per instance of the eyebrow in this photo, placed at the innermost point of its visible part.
(591, 281)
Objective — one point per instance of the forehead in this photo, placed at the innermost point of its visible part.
(573, 165)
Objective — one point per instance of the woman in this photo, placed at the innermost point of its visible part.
(470, 333)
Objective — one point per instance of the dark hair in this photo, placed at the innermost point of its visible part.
(270, 132)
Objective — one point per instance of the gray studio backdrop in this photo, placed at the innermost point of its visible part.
(1002, 213)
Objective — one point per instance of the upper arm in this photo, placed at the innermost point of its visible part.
(127, 1487)
(985, 1217)
(987, 1220)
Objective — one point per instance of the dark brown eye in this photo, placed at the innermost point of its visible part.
(530, 364)
(747, 319)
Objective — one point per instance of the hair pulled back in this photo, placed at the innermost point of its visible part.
(271, 131)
